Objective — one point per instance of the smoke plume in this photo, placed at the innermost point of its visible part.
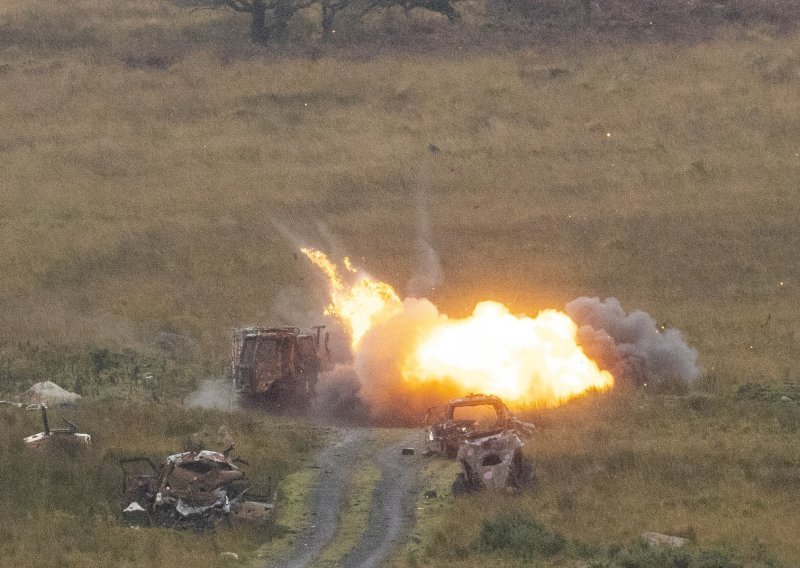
(379, 359)
(338, 397)
(632, 346)
(428, 272)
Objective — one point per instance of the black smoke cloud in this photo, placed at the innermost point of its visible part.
(632, 346)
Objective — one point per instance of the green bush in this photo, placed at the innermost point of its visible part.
(520, 536)
(715, 559)
(643, 556)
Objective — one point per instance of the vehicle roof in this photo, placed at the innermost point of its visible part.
(202, 455)
(477, 399)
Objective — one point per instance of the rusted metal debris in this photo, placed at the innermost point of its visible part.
(446, 433)
(68, 437)
(493, 461)
(190, 490)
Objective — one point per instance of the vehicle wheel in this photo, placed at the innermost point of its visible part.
(461, 485)
(522, 474)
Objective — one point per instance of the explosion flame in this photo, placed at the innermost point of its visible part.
(529, 361)
(361, 305)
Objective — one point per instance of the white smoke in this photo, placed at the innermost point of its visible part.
(632, 346)
(379, 359)
(428, 273)
(213, 393)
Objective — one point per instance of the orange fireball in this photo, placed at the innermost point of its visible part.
(531, 361)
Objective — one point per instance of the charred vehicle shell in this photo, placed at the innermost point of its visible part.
(493, 461)
(189, 490)
(456, 424)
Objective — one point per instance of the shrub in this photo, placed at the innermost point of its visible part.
(519, 535)
(643, 556)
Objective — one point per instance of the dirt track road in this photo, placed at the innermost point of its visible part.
(392, 505)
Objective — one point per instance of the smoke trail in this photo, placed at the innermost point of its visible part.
(428, 272)
(632, 346)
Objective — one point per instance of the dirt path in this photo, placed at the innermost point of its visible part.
(391, 514)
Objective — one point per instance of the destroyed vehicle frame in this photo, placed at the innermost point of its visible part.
(445, 436)
(493, 461)
(190, 490)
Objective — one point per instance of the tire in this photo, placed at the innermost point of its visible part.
(461, 485)
(522, 475)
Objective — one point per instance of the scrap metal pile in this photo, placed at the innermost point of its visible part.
(190, 490)
(68, 438)
(489, 452)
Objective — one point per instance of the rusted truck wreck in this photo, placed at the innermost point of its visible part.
(190, 490)
(278, 364)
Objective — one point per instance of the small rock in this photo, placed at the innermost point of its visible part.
(231, 556)
(431, 494)
(785, 398)
(658, 539)
(408, 451)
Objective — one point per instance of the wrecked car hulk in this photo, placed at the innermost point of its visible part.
(493, 461)
(466, 417)
(190, 490)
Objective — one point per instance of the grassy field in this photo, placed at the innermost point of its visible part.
(721, 472)
(68, 508)
(158, 173)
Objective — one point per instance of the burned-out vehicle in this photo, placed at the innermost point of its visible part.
(68, 438)
(277, 363)
(493, 461)
(190, 490)
(466, 417)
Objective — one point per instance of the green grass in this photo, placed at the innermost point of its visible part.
(612, 467)
(69, 506)
(150, 158)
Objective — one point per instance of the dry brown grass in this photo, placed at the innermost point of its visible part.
(612, 467)
(136, 200)
(145, 157)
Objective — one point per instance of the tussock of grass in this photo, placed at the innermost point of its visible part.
(518, 536)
